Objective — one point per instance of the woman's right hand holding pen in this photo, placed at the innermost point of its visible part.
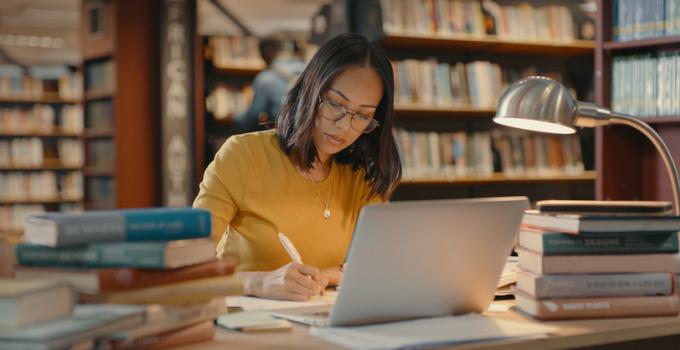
(294, 281)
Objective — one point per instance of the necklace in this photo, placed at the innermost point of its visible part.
(326, 210)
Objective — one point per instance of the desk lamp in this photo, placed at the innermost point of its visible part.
(544, 105)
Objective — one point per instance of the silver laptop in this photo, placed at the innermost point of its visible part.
(421, 259)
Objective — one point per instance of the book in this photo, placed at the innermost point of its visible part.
(605, 207)
(163, 318)
(93, 281)
(153, 255)
(253, 322)
(595, 285)
(86, 322)
(192, 334)
(132, 225)
(603, 307)
(25, 302)
(557, 243)
(574, 264)
(587, 224)
(195, 291)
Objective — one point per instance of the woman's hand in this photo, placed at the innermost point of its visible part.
(292, 281)
(331, 276)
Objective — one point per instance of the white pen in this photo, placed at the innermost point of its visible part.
(290, 248)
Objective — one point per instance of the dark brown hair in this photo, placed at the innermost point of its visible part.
(376, 152)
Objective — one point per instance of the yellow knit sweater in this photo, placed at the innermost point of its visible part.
(254, 191)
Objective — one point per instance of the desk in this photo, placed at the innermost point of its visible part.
(572, 334)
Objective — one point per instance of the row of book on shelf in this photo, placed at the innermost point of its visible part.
(235, 51)
(478, 19)
(644, 19)
(12, 217)
(100, 76)
(225, 101)
(145, 278)
(658, 96)
(42, 118)
(43, 185)
(17, 83)
(478, 84)
(433, 155)
(32, 152)
(101, 192)
(612, 259)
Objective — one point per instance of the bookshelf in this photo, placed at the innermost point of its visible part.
(41, 122)
(429, 41)
(627, 164)
(121, 134)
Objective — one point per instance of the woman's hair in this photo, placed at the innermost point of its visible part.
(376, 152)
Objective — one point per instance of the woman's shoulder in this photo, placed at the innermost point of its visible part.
(253, 141)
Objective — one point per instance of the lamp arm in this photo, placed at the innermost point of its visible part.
(652, 135)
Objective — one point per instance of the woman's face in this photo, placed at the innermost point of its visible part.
(357, 91)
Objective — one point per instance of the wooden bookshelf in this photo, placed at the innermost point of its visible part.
(588, 176)
(628, 166)
(38, 201)
(55, 133)
(416, 111)
(120, 65)
(42, 100)
(238, 70)
(49, 165)
(489, 44)
(664, 42)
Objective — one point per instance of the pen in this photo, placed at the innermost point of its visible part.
(290, 248)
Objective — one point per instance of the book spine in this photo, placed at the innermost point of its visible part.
(96, 255)
(559, 243)
(133, 225)
(117, 279)
(559, 309)
(600, 285)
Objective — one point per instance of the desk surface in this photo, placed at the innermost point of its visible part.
(572, 334)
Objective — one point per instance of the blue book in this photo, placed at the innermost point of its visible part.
(144, 255)
(128, 225)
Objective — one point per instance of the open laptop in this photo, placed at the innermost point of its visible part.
(417, 259)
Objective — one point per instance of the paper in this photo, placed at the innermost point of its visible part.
(246, 319)
(431, 332)
(498, 307)
(256, 304)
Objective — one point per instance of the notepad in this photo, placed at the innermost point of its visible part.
(255, 304)
(253, 321)
(431, 332)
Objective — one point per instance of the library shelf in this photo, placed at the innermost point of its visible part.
(55, 133)
(498, 178)
(45, 99)
(48, 165)
(491, 44)
(668, 41)
(39, 201)
(238, 70)
(444, 112)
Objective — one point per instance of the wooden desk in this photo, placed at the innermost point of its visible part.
(621, 333)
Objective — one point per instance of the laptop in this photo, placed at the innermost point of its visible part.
(416, 259)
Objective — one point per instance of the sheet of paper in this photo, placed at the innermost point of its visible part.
(256, 304)
(245, 319)
(430, 332)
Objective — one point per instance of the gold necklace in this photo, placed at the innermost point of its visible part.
(326, 210)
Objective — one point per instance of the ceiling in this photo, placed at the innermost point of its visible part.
(34, 32)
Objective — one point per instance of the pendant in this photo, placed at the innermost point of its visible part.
(326, 213)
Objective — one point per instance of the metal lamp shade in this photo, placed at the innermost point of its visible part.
(537, 104)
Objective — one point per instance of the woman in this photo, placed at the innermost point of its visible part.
(332, 153)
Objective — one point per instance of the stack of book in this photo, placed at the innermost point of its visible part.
(584, 259)
(40, 314)
(161, 258)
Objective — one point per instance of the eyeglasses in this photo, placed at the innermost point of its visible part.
(334, 112)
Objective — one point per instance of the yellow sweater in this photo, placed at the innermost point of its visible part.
(254, 191)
